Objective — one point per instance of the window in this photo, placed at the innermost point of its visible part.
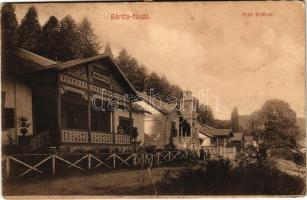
(186, 130)
(74, 111)
(100, 120)
(134, 132)
(7, 114)
(180, 127)
(194, 106)
(173, 129)
(8, 118)
(123, 127)
(186, 106)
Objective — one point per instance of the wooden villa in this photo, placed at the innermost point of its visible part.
(78, 105)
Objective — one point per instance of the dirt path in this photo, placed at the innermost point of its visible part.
(111, 183)
(291, 168)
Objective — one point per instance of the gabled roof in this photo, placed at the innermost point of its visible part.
(34, 58)
(208, 127)
(213, 132)
(45, 63)
(202, 132)
(202, 135)
(25, 62)
(237, 136)
(78, 61)
(217, 132)
(157, 104)
(138, 108)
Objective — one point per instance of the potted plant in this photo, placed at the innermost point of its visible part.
(23, 123)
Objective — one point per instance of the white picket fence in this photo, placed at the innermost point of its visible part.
(223, 152)
(17, 166)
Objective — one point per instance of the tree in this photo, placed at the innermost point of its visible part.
(122, 58)
(164, 88)
(274, 127)
(135, 73)
(29, 31)
(9, 27)
(152, 83)
(68, 39)
(142, 81)
(108, 50)
(9, 32)
(176, 91)
(88, 40)
(140, 74)
(206, 114)
(223, 124)
(235, 120)
(48, 41)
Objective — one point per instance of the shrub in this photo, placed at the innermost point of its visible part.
(299, 158)
(219, 177)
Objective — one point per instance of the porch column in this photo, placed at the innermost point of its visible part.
(89, 103)
(113, 128)
(59, 116)
(130, 121)
(111, 122)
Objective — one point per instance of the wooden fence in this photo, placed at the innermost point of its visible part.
(17, 166)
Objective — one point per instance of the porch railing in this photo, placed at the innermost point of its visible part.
(74, 136)
(122, 139)
(103, 138)
(81, 136)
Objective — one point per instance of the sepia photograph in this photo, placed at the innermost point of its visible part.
(153, 99)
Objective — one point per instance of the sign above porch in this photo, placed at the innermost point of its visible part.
(101, 77)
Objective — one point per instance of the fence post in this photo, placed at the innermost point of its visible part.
(169, 156)
(89, 164)
(143, 160)
(134, 160)
(53, 164)
(114, 161)
(158, 159)
(7, 167)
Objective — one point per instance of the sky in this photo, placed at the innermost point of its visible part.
(221, 51)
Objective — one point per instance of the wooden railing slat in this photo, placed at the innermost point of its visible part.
(25, 164)
(35, 166)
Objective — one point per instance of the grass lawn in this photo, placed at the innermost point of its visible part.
(105, 183)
